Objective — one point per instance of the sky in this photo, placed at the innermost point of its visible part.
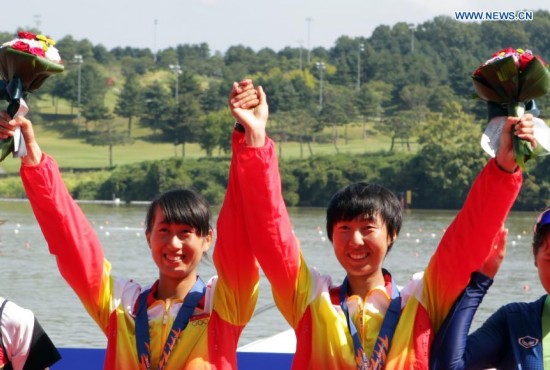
(275, 24)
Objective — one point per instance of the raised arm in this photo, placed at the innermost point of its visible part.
(451, 348)
(266, 217)
(237, 287)
(69, 235)
(468, 240)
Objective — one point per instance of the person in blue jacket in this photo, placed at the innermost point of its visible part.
(516, 336)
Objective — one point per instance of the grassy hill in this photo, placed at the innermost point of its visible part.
(58, 138)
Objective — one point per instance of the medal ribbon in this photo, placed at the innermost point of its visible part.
(385, 336)
(143, 338)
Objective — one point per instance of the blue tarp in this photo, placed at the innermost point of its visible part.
(92, 359)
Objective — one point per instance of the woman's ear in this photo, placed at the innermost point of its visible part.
(392, 238)
(148, 238)
(208, 240)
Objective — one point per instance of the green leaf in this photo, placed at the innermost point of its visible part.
(519, 151)
(534, 81)
(486, 92)
(502, 76)
(7, 147)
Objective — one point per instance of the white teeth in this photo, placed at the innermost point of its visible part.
(173, 258)
(357, 256)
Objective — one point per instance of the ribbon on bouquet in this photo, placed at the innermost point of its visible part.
(12, 92)
(497, 118)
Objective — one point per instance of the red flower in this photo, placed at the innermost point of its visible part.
(21, 46)
(524, 59)
(26, 35)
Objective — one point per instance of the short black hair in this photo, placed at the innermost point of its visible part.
(181, 206)
(364, 199)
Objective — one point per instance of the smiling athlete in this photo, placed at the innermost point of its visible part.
(178, 322)
(366, 322)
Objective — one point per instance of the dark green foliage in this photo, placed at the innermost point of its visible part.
(415, 86)
(145, 180)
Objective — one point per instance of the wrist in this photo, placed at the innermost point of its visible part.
(255, 139)
(508, 168)
(33, 157)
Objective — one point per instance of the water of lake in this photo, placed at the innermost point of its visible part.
(31, 279)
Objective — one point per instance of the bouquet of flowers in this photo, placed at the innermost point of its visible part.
(25, 63)
(509, 82)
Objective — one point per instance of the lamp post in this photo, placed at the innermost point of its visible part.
(155, 41)
(300, 42)
(412, 27)
(308, 20)
(321, 67)
(361, 49)
(176, 68)
(77, 59)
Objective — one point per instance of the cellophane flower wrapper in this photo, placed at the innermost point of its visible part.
(25, 63)
(511, 80)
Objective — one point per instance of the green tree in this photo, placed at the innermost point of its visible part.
(280, 90)
(130, 100)
(242, 59)
(345, 56)
(449, 158)
(102, 55)
(95, 110)
(398, 127)
(450, 129)
(338, 110)
(157, 107)
(137, 65)
(293, 125)
(107, 135)
(373, 98)
(216, 132)
(184, 123)
(416, 98)
(498, 35)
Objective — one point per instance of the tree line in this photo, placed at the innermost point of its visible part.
(410, 85)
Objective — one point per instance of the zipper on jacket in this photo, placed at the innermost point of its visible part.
(167, 305)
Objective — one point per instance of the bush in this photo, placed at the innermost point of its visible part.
(11, 187)
(438, 180)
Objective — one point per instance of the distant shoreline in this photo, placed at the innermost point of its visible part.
(115, 201)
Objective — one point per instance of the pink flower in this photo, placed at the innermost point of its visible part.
(37, 51)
